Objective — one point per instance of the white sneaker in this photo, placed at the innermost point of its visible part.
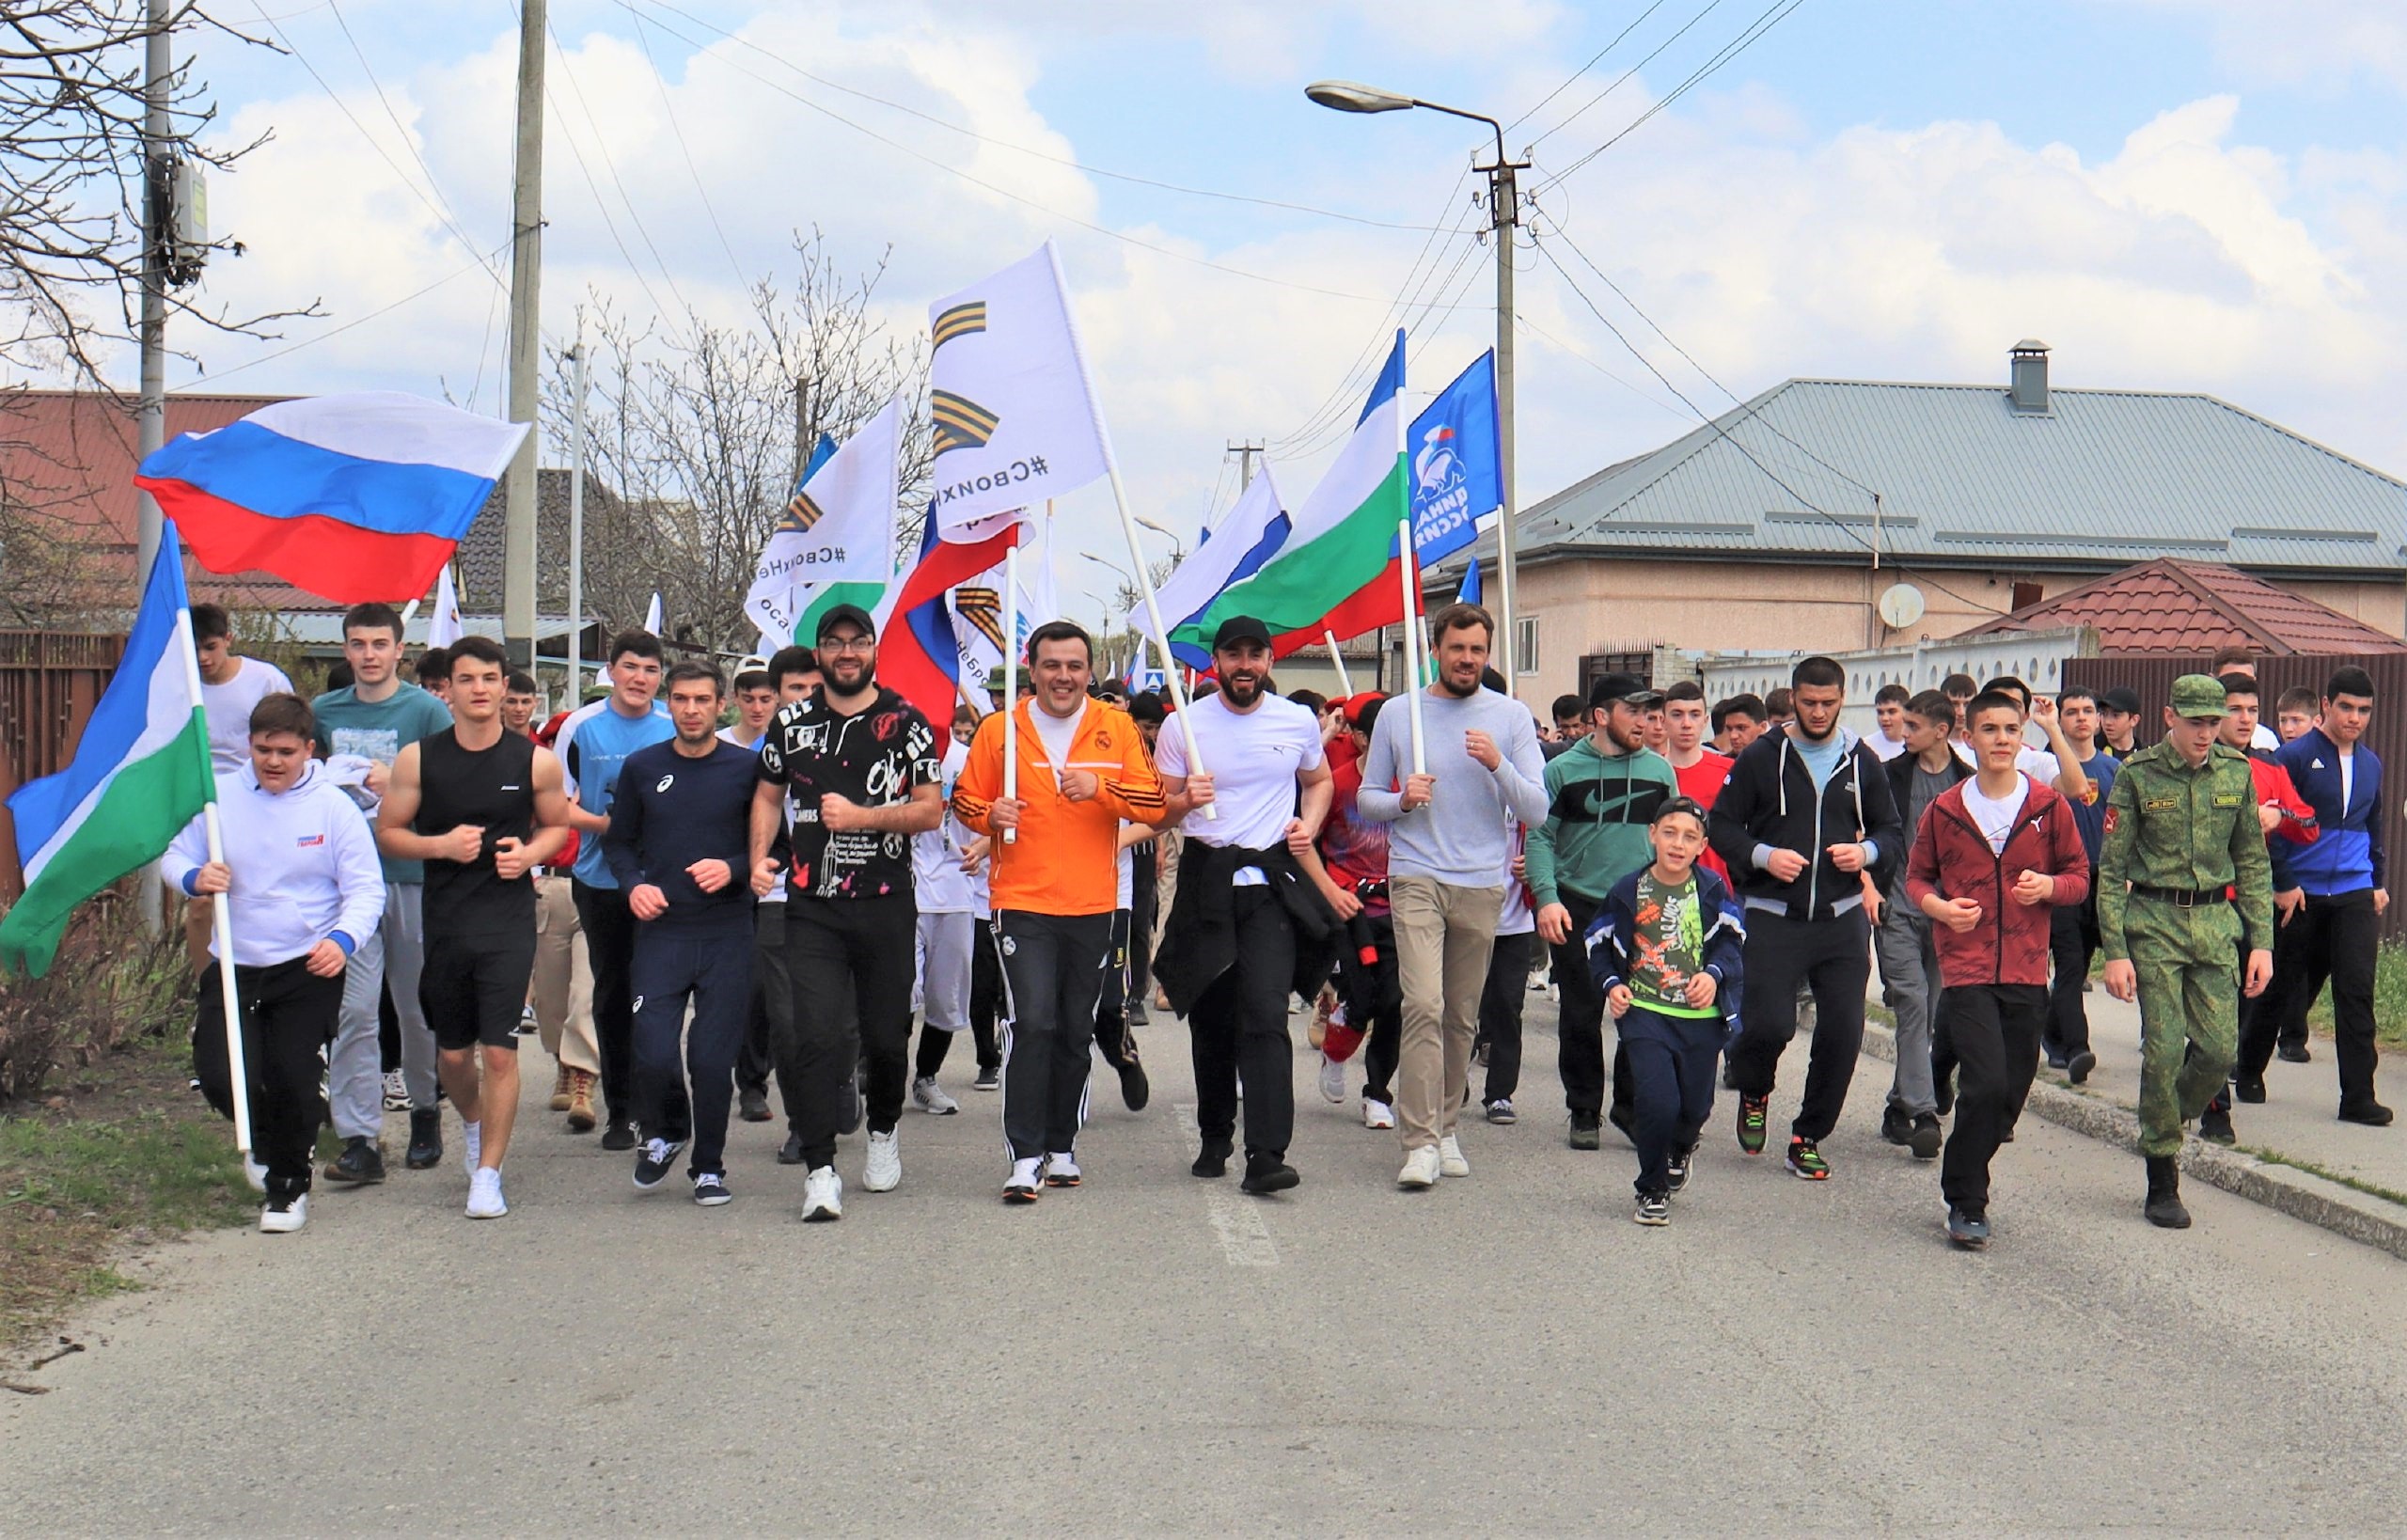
(1420, 1167)
(1062, 1170)
(396, 1091)
(485, 1194)
(930, 1098)
(472, 1145)
(255, 1175)
(823, 1195)
(1378, 1114)
(1449, 1158)
(1332, 1079)
(283, 1219)
(883, 1173)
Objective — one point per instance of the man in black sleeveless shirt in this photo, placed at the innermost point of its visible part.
(481, 808)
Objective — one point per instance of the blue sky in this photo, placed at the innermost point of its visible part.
(2205, 195)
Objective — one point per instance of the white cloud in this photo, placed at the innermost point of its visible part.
(2301, 41)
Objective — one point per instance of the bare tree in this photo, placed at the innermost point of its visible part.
(703, 428)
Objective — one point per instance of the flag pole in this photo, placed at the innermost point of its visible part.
(1344, 679)
(237, 1070)
(1011, 678)
(1412, 656)
(1161, 638)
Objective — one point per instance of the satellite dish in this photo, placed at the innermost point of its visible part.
(1901, 606)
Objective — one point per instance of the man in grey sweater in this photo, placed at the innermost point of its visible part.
(1448, 857)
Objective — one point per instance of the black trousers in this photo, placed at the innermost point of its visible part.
(1144, 900)
(2072, 940)
(1500, 1000)
(850, 960)
(609, 929)
(1995, 1033)
(772, 1000)
(986, 1006)
(1111, 1002)
(712, 966)
(1053, 967)
(1239, 1022)
(288, 1016)
(2331, 940)
(1833, 958)
(1669, 1065)
(1581, 1022)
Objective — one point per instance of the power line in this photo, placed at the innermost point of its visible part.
(1005, 144)
(1593, 58)
(211, 381)
(1574, 351)
(1779, 11)
(1624, 77)
(1337, 413)
(660, 84)
(602, 148)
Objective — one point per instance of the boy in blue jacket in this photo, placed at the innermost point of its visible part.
(1666, 953)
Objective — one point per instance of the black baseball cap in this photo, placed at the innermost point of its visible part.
(2121, 698)
(1240, 628)
(836, 614)
(1627, 689)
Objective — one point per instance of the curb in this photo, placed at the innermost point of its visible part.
(2302, 1195)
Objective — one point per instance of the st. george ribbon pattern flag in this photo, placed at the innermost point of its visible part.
(1250, 534)
(838, 530)
(1014, 413)
(978, 606)
(141, 772)
(351, 498)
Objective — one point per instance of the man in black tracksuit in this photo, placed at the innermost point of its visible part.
(1805, 815)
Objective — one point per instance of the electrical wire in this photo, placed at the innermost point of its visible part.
(1779, 11)
(602, 148)
(1623, 79)
(660, 82)
(208, 383)
(1592, 59)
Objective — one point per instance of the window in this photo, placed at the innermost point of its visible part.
(1525, 644)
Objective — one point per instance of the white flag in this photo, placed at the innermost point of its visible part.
(443, 627)
(978, 604)
(838, 529)
(1016, 415)
(651, 614)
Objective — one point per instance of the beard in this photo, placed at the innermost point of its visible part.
(1812, 737)
(1243, 690)
(1461, 692)
(834, 684)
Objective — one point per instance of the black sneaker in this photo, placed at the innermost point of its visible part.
(789, 1152)
(2371, 1114)
(1675, 1168)
(1654, 1208)
(1135, 1090)
(752, 1105)
(2248, 1088)
(1925, 1137)
(359, 1164)
(2214, 1126)
(1805, 1161)
(710, 1189)
(426, 1140)
(1896, 1125)
(990, 1078)
(1752, 1114)
(620, 1135)
(652, 1166)
(1213, 1160)
(2078, 1064)
(2057, 1058)
(1267, 1173)
(1967, 1227)
(1587, 1131)
(2294, 1053)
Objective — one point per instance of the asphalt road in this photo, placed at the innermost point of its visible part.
(1154, 1353)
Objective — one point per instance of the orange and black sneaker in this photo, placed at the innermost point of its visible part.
(1752, 1113)
(1805, 1161)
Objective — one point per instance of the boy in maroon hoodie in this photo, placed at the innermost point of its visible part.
(1993, 858)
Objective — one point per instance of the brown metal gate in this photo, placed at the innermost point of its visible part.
(48, 684)
(2153, 677)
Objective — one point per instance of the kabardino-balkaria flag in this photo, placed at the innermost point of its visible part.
(141, 773)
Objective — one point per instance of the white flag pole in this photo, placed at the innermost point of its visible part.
(236, 1067)
(1011, 678)
(1160, 634)
(1344, 679)
(1412, 644)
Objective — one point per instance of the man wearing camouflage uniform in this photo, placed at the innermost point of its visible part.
(2181, 829)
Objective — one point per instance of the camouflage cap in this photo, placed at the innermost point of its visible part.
(2197, 695)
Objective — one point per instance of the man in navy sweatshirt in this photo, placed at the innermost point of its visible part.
(2328, 899)
(680, 824)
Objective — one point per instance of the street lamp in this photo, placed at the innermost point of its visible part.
(1503, 207)
(1177, 547)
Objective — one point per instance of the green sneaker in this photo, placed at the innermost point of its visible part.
(1751, 1123)
(1805, 1161)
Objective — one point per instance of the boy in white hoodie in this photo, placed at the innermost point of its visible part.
(303, 884)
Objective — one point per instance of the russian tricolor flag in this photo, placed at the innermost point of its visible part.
(350, 498)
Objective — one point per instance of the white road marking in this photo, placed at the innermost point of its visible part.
(1245, 1239)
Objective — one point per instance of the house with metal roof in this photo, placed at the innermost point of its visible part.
(1783, 523)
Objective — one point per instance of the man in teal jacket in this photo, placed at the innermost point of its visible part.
(1601, 794)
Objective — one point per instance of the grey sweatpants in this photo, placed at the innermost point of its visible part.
(1910, 988)
(941, 991)
(355, 1078)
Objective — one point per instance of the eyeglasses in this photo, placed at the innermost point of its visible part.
(846, 644)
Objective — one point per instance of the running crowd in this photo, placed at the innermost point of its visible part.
(685, 910)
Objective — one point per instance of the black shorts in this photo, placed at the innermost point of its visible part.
(474, 988)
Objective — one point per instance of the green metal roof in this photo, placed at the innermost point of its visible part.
(2102, 478)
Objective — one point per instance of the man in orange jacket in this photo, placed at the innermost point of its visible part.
(1082, 769)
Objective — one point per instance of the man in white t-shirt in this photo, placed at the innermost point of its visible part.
(1889, 711)
(230, 686)
(946, 932)
(1228, 957)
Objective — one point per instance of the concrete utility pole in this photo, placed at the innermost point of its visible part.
(526, 337)
(157, 222)
(1245, 453)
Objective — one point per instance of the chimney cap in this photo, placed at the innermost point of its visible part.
(2029, 345)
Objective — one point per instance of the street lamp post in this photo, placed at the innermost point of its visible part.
(1503, 207)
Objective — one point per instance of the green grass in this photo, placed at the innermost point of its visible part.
(2371, 1189)
(2389, 999)
(132, 1157)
